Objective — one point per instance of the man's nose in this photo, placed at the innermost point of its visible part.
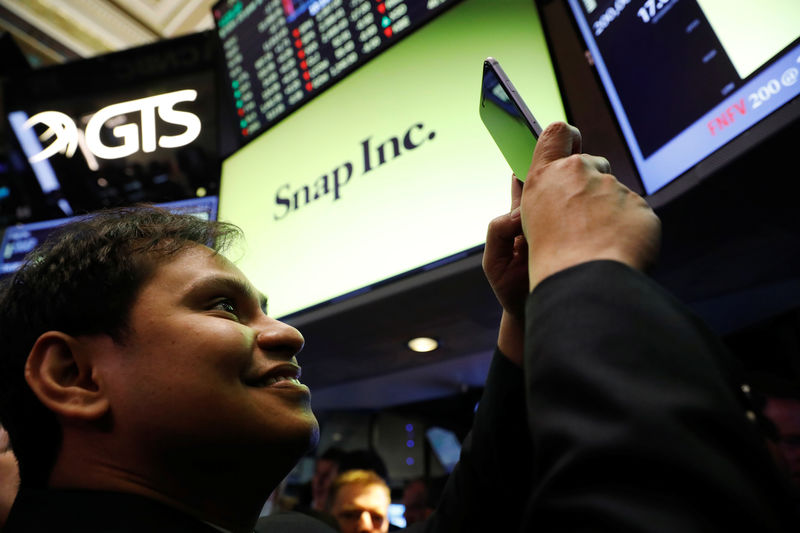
(365, 523)
(279, 338)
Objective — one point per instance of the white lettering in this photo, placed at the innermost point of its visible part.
(190, 121)
(67, 134)
(62, 127)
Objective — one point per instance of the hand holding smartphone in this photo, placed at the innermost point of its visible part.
(508, 119)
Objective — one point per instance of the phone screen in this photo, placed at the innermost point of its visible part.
(506, 123)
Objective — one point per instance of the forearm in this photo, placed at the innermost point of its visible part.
(511, 337)
(488, 488)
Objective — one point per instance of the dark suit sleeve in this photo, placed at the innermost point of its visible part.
(488, 488)
(293, 522)
(637, 416)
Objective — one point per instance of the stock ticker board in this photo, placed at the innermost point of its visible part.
(281, 53)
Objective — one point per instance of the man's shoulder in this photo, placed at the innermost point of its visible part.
(89, 511)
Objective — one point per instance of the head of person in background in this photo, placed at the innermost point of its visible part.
(138, 360)
(9, 476)
(363, 459)
(420, 497)
(784, 413)
(776, 399)
(359, 501)
(325, 471)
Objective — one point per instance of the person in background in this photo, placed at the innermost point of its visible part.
(364, 459)
(777, 400)
(416, 502)
(420, 497)
(325, 471)
(359, 501)
(784, 413)
(9, 476)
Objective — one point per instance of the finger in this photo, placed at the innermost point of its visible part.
(516, 192)
(597, 162)
(521, 246)
(558, 140)
(501, 234)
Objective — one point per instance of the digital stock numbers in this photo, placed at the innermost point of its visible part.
(649, 11)
(280, 53)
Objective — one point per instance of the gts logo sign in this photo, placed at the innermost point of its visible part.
(67, 136)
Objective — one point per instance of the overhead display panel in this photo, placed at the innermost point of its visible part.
(389, 171)
(281, 53)
(685, 78)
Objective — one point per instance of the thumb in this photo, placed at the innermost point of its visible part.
(557, 141)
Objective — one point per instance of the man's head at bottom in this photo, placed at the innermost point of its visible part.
(139, 359)
(359, 500)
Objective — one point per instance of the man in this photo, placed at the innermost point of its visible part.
(417, 504)
(359, 500)
(784, 413)
(145, 388)
(325, 471)
(9, 476)
(636, 418)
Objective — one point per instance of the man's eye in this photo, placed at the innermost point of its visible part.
(226, 305)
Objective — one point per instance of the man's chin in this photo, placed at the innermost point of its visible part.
(301, 436)
(306, 437)
(314, 436)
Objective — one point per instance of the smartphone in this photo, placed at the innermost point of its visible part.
(508, 119)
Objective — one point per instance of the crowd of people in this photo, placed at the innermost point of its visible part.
(144, 386)
(350, 490)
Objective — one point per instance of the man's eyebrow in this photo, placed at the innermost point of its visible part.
(350, 507)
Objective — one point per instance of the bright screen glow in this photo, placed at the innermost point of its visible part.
(397, 514)
(445, 445)
(391, 169)
(685, 77)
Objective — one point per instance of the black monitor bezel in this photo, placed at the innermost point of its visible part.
(704, 169)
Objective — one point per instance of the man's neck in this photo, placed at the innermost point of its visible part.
(230, 501)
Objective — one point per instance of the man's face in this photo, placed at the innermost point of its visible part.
(204, 372)
(415, 502)
(325, 471)
(785, 414)
(361, 508)
(9, 476)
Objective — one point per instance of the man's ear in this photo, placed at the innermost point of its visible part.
(60, 371)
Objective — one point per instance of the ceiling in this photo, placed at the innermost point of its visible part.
(54, 31)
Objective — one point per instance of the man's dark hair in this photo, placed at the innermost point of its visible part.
(363, 460)
(82, 280)
(333, 454)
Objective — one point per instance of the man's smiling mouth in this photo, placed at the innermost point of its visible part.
(286, 374)
(272, 380)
